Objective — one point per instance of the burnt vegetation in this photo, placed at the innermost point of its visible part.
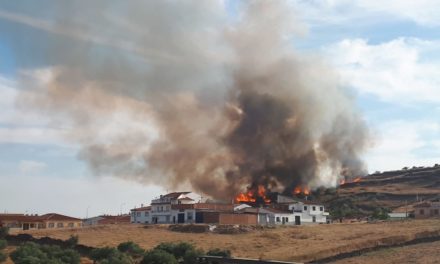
(379, 193)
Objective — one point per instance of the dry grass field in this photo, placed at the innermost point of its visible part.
(301, 243)
(425, 253)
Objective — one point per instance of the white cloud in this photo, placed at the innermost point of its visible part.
(395, 71)
(72, 196)
(423, 12)
(31, 166)
(397, 144)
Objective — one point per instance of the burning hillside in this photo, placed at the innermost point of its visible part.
(177, 94)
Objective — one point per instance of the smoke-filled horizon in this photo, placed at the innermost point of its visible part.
(178, 94)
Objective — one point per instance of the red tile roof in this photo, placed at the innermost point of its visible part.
(20, 218)
(145, 208)
(58, 217)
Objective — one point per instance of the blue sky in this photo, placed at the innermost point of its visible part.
(386, 53)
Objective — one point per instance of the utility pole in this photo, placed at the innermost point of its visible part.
(120, 209)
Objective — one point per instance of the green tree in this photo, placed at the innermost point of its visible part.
(72, 241)
(381, 214)
(109, 255)
(219, 252)
(32, 253)
(4, 231)
(158, 256)
(131, 248)
(3, 245)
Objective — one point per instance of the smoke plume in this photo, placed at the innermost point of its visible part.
(188, 94)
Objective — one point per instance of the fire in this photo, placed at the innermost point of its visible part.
(298, 190)
(345, 181)
(252, 195)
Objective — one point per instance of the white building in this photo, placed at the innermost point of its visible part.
(307, 212)
(292, 213)
(163, 213)
(141, 215)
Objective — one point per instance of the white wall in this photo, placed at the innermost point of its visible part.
(140, 217)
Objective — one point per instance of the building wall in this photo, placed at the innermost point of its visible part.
(309, 212)
(140, 217)
(432, 211)
(237, 219)
(62, 224)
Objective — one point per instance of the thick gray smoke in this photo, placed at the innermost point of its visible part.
(187, 94)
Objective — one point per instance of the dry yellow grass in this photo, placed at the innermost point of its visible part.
(301, 243)
(426, 253)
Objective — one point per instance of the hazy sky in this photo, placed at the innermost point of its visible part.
(387, 53)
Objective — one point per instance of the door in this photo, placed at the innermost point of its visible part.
(297, 220)
(314, 219)
(199, 217)
(181, 218)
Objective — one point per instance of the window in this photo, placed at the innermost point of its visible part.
(32, 225)
(51, 225)
(321, 208)
(278, 219)
(422, 212)
(133, 214)
(314, 208)
(146, 214)
(138, 214)
(189, 216)
(59, 225)
(305, 208)
(70, 225)
(286, 219)
(314, 219)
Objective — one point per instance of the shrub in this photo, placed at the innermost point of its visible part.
(72, 241)
(158, 256)
(219, 252)
(131, 249)
(108, 255)
(4, 231)
(3, 244)
(183, 252)
(3, 257)
(381, 214)
(34, 253)
(178, 250)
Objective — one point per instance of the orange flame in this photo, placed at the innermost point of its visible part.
(345, 181)
(304, 190)
(251, 195)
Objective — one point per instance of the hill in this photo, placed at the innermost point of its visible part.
(392, 190)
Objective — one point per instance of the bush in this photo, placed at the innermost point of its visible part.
(183, 252)
(158, 256)
(72, 241)
(108, 255)
(3, 257)
(131, 249)
(3, 244)
(178, 250)
(30, 253)
(4, 231)
(380, 213)
(219, 252)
